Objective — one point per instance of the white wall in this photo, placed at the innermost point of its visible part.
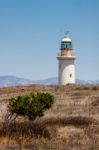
(66, 72)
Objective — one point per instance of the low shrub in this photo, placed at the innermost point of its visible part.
(31, 106)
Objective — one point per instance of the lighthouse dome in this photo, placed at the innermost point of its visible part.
(66, 39)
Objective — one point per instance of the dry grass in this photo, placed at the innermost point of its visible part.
(71, 124)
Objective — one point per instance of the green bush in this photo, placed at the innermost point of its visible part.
(32, 106)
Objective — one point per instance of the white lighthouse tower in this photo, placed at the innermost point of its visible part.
(66, 58)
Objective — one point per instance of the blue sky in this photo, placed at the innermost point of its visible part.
(31, 31)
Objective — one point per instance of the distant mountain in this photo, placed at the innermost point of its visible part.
(6, 81)
(53, 80)
(87, 81)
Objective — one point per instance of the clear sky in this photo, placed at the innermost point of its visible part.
(31, 31)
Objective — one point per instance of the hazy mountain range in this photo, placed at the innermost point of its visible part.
(6, 81)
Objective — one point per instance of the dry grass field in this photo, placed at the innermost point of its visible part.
(71, 124)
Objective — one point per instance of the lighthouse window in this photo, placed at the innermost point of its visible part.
(70, 75)
(65, 45)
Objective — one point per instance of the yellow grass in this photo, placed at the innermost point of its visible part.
(71, 124)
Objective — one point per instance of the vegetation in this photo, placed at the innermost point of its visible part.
(72, 123)
(32, 105)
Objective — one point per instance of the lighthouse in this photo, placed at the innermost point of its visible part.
(66, 62)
